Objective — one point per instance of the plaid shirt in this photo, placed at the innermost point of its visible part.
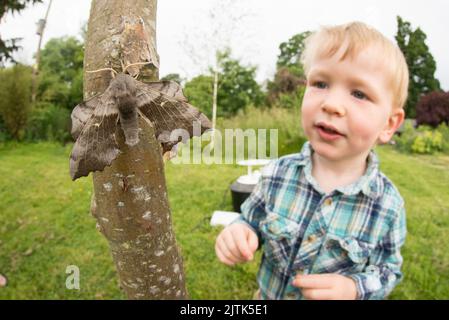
(356, 230)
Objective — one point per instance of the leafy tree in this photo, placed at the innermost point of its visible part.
(49, 123)
(199, 93)
(7, 47)
(61, 72)
(433, 109)
(237, 87)
(284, 83)
(14, 5)
(15, 98)
(291, 52)
(289, 70)
(420, 61)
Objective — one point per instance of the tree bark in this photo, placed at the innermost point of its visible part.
(130, 200)
(214, 101)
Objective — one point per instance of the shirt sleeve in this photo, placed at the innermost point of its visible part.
(384, 270)
(253, 209)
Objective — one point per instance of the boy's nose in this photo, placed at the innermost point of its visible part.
(334, 107)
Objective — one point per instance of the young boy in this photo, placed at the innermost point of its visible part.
(330, 222)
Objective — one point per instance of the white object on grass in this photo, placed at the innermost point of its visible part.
(251, 177)
(223, 218)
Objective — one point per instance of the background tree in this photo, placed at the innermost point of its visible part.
(199, 91)
(420, 62)
(60, 90)
(61, 73)
(291, 52)
(289, 76)
(284, 83)
(15, 99)
(224, 25)
(433, 109)
(7, 47)
(236, 86)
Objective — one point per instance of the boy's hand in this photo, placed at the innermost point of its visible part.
(326, 287)
(236, 243)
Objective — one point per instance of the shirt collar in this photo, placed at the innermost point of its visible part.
(369, 184)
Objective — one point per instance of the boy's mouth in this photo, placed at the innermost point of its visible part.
(327, 131)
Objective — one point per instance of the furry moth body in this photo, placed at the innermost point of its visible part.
(94, 121)
(125, 94)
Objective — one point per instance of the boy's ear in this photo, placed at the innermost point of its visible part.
(394, 122)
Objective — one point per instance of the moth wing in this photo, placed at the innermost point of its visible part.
(95, 146)
(82, 113)
(165, 105)
(170, 89)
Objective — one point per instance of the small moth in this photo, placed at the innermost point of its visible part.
(94, 121)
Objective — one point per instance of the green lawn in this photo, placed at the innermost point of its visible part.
(45, 226)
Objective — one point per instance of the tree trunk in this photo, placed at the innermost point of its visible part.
(130, 200)
(38, 57)
(214, 101)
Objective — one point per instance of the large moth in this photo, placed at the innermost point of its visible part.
(94, 121)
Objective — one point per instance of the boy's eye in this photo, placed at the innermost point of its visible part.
(359, 95)
(320, 84)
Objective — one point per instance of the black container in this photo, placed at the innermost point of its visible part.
(240, 192)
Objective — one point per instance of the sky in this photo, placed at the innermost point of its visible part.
(252, 28)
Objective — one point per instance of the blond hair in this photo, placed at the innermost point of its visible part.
(352, 38)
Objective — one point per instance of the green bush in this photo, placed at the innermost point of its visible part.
(199, 92)
(3, 133)
(287, 121)
(291, 100)
(405, 141)
(424, 139)
(50, 123)
(428, 142)
(15, 99)
(444, 130)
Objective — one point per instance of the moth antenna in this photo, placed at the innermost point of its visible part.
(114, 73)
(135, 64)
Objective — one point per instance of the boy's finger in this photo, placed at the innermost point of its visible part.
(223, 259)
(320, 294)
(232, 243)
(226, 251)
(253, 241)
(319, 281)
(242, 244)
(221, 255)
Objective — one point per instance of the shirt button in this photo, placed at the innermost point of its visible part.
(311, 238)
(291, 296)
(299, 272)
(328, 201)
(344, 254)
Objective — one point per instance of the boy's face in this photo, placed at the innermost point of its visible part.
(348, 106)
